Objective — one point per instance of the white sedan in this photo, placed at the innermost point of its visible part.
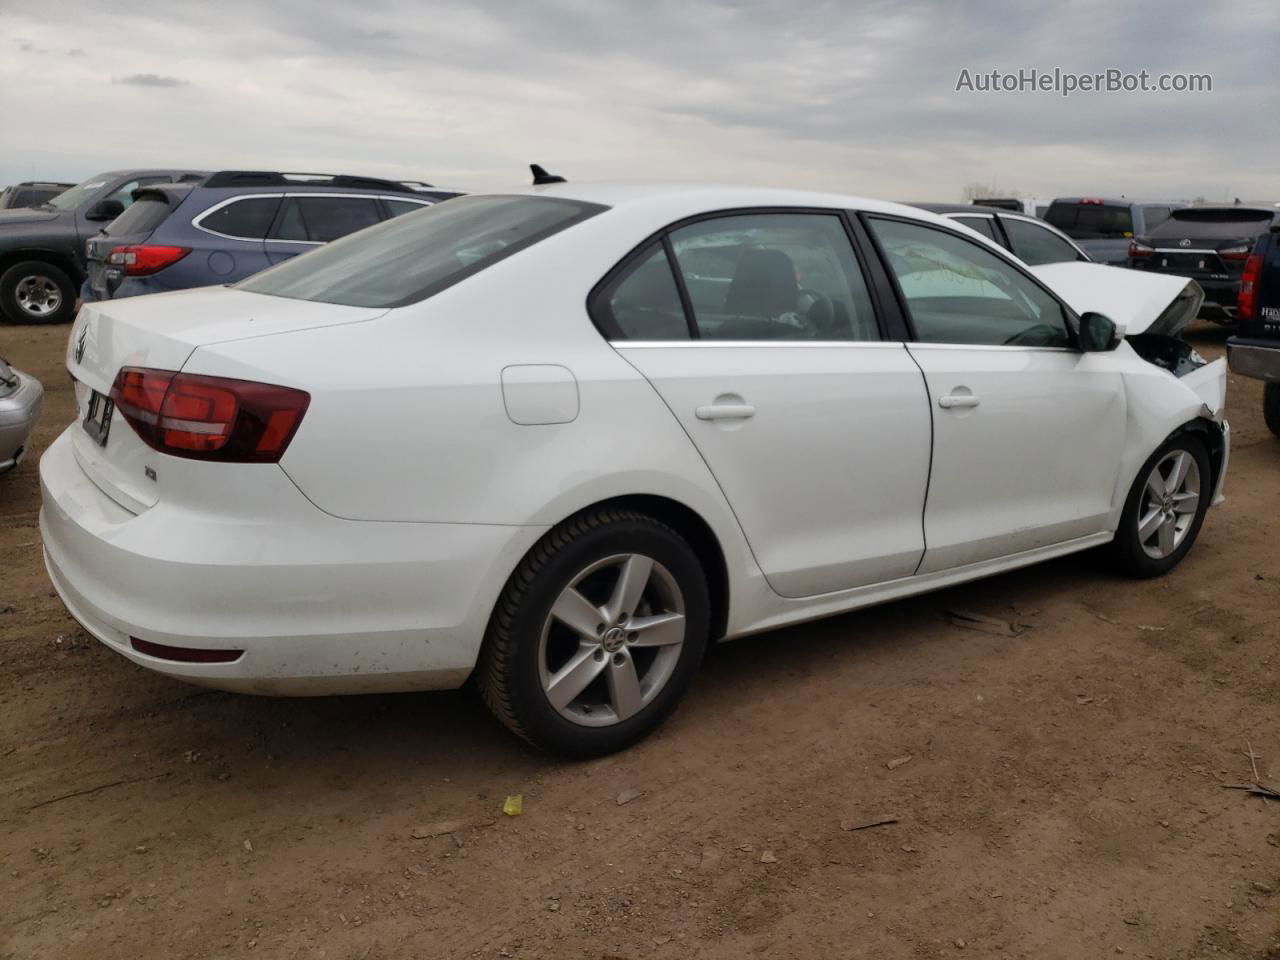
(560, 439)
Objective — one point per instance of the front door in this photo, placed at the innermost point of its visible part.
(769, 354)
(1028, 431)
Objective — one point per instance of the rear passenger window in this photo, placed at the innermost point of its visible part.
(774, 276)
(1035, 245)
(246, 219)
(328, 218)
(643, 303)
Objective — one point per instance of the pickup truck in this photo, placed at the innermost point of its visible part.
(1255, 349)
(1103, 226)
(42, 248)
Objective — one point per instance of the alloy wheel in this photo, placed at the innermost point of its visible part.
(1170, 501)
(612, 640)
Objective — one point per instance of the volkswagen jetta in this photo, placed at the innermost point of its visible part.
(561, 439)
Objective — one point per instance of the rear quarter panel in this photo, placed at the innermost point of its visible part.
(408, 423)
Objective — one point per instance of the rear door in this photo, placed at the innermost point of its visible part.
(759, 331)
(308, 220)
(1027, 431)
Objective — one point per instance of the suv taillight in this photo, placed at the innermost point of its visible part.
(141, 260)
(1137, 249)
(209, 418)
(1248, 297)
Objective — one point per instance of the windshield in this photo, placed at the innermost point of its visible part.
(413, 256)
(70, 199)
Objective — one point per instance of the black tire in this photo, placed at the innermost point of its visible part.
(1271, 407)
(1126, 552)
(509, 672)
(51, 284)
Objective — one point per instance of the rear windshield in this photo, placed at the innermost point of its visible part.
(144, 215)
(1091, 221)
(1215, 223)
(411, 257)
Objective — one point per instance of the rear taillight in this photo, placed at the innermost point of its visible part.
(1138, 250)
(1092, 201)
(1248, 297)
(209, 418)
(144, 259)
(1236, 253)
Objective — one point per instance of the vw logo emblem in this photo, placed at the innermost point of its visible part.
(1184, 243)
(80, 342)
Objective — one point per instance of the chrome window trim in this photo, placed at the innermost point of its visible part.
(196, 221)
(828, 344)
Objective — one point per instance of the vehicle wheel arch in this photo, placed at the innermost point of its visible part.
(1210, 431)
(53, 258)
(689, 524)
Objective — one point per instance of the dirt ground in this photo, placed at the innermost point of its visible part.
(1063, 798)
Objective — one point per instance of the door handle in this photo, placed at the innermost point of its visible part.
(726, 411)
(956, 401)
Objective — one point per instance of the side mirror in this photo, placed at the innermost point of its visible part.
(105, 210)
(1098, 333)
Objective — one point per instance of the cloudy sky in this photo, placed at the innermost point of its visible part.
(855, 95)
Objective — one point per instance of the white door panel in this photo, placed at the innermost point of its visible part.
(1027, 448)
(822, 450)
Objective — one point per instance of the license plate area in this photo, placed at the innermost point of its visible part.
(97, 417)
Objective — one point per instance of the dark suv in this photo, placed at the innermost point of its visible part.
(1255, 349)
(31, 193)
(1103, 227)
(1210, 244)
(232, 225)
(42, 248)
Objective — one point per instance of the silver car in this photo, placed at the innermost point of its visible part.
(20, 397)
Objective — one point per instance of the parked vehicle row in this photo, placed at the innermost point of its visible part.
(42, 248)
(593, 428)
(233, 224)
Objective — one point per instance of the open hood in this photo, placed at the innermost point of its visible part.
(1137, 302)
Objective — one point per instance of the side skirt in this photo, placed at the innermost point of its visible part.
(815, 608)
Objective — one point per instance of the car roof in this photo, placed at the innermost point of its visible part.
(676, 200)
(949, 208)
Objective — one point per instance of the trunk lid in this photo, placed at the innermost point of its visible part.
(1137, 302)
(161, 332)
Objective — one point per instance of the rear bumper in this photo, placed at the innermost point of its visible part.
(1259, 359)
(318, 605)
(18, 414)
